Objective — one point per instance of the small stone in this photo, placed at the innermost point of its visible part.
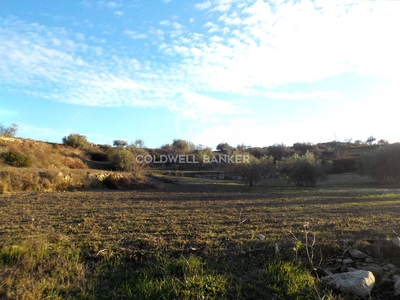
(243, 252)
(368, 260)
(392, 268)
(339, 260)
(357, 254)
(396, 241)
(348, 261)
(261, 236)
(374, 268)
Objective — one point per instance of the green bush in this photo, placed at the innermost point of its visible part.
(75, 140)
(17, 159)
(121, 159)
(304, 170)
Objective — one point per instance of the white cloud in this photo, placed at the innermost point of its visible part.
(243, 50)
(118, 13)
(203, 5)
(135, 35)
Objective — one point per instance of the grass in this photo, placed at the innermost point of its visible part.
(194, 239)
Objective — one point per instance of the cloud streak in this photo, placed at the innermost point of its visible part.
(245, 49)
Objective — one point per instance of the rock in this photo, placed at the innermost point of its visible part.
(350, 269)
(339, 260)
(357, 254)
(348, 261)
(359, 283)
(374, 268)
(368, 260)
(392, 268)
(396, 241)
(396, 285)
(261, 236)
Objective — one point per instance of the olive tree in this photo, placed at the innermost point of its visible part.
(382, 163)
(303, 170)
(75, 140)
(250, 171)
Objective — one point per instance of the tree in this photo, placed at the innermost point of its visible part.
(120, 143)
(121, 159)
(75, 140)
(224, 147)
(8, 131)
(202, 153)
(251, 172)
(303, 170)
(382, 163)
(370, 140)
(278, 151)
(139, 143)
(383, 142)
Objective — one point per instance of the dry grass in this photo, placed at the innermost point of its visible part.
(44, 155)
(122, 237)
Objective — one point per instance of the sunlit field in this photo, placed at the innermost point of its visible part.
(193, 239)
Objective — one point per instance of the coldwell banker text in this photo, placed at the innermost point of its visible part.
(191, 159)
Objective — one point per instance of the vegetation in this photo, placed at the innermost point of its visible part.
(9, 131)
(120, 143)
(382, 163)
(303, 170)
(75, 140)
(17, 159)
(251, 172)
(121, 159)
(189, 243)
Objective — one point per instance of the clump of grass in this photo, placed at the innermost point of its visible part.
(289, 280)
(39, 270)
(175, 279)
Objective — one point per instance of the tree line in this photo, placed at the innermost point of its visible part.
(304, 164)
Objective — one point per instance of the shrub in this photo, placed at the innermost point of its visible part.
(303, 170)
(75, 140)
(17, 159)
(121, 159)
(382, 163)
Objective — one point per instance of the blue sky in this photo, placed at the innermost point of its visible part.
(238, 71)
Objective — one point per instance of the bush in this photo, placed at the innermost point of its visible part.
(121, 159)
(303, 170)
(75, 140)
(382, 163)
(17, 159)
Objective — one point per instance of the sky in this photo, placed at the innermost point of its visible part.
(251, 72)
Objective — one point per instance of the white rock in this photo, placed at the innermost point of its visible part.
(396, 241)
(359, 283)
